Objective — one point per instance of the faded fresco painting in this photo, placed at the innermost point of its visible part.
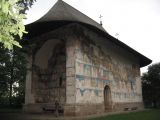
(49, 72)
(95, 69)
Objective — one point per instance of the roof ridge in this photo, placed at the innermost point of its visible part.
(65, 5)
(97, 24)
(68, 13)
(78, 11)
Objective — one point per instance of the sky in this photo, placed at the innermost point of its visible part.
(134, 22)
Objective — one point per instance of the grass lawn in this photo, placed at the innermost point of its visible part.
(154, 114)
(142, 115)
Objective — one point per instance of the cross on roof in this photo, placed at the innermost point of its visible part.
(100, 19)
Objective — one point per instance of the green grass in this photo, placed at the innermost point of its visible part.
(11, 114)
(142, 115)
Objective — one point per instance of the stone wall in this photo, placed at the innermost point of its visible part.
(100, 62)
(49, 72)
(76, 67)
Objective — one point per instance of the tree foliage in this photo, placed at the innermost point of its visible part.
(12, 76)
(12, 61)
(12, 13)
(151, 85)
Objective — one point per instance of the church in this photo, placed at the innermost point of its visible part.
(73, 60)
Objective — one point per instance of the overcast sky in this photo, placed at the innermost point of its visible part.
(137, 22)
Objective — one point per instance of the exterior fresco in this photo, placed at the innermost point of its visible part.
(76, 68)
(49, 75)
(75, 61)
(95, 70)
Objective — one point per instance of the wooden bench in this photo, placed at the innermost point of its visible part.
(49, 108)
(53, 109)
(126, 109)
(134, 108)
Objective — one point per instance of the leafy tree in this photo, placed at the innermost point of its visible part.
(3, 76)
(12, 61)
(12, 76)
(151, 85)
(12, 13)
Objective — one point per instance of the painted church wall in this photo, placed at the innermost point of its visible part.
(70, 70)
(76, 67)
(49, 72)
(99, 63)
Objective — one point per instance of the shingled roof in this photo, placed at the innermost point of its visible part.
(62, 13)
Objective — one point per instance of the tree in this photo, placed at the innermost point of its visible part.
(12, 13)
(12, 76)
(12, 61)
(151, 85)
(3, 76)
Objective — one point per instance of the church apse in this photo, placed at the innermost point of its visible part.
(49, 73)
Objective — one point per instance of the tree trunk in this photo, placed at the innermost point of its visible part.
(11, 80)
(154, 103)
(10, 87)
(10, 93)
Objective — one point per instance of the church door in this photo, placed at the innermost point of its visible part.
(107, 98)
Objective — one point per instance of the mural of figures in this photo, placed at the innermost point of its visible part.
(95, 69)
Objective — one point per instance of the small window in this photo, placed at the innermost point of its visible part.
(60, 81)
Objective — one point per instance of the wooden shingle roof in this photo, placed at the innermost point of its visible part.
(62, 13)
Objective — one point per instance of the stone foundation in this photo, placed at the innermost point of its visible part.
(32, 108)
(127, 106)
(69, 110)
(87, 109)
(36, 108)
(81, 109)
(90, 109)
